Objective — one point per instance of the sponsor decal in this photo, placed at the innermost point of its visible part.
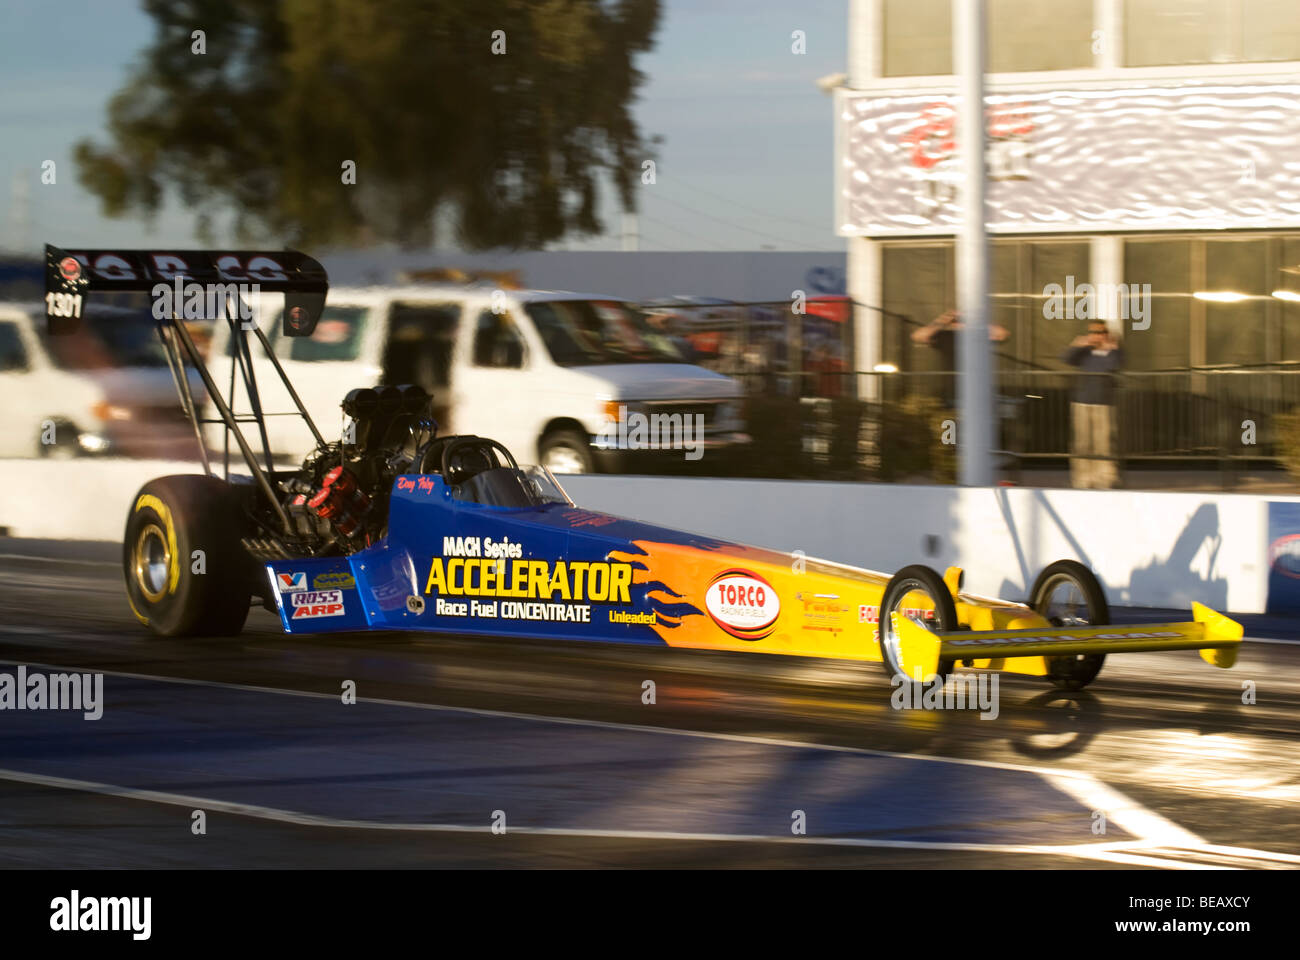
(743, 604)
(597, 581)
(868, 614)
(337, 580)
(410, 484)
(69, 268)
(1284, 555)
(822, 611)
(290, 582)
(493, 576)
(622, 616)
(309, 604)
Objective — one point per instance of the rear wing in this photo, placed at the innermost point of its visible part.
(214, 285)
(1216, 637)
(185, 284)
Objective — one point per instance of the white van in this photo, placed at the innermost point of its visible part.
(105, 390)
(551, 375)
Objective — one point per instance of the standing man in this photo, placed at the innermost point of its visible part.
(1092, 412)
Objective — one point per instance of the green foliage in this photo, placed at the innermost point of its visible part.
(512, 146)
(1286, 437)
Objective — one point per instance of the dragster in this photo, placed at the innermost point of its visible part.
(393, 527)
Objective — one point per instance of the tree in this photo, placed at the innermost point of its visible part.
(512, 144)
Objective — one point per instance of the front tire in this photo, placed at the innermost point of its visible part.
(922, 591)
(1068, 594)
(566, 452)
(173, 590)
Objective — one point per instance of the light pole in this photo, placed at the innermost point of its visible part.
(974, 352)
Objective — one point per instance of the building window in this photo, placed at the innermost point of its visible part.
(1033, 35)
(1168, 32)
(1022, 35)
(919, 285)
(1166, 264)
(917, 37)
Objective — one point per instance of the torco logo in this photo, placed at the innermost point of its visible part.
(1284, 555)
(743, 604)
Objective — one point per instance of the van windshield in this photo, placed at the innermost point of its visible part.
(110, 337)
(582, 332)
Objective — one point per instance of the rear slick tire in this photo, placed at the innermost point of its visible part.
(186, 573)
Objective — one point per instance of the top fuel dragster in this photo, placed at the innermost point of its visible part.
(392, 527)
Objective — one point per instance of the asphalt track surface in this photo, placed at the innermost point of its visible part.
(451, 735)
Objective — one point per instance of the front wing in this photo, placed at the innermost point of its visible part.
(920, 649)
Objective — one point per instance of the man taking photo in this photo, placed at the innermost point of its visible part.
(1092, 412)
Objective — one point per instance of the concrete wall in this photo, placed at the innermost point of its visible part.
(1148, 549)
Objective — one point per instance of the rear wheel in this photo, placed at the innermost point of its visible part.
(1068, 594)
(919, 593)
(186, 572)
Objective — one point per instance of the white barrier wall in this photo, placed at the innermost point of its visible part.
(1148, 549)
(75, 499)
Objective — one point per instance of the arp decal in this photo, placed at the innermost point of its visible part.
(743, 604)
(308, 604)
(290, 582)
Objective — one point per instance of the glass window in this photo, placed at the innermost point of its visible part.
(578, 332)
(917, 37)
(1067, 266)
(497, 342)
(337, 336)
(918, 287)
(1270, 30)
(13, 356)
(421, 337)
(1236, 332)
(1022, 35)
(1288, 278)
(1167, 266)
(1163, 32)
(1033, 35)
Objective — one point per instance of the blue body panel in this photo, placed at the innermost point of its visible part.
(392, 584)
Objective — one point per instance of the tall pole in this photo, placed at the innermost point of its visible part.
(974, 352)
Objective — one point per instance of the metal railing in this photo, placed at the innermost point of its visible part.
(902, 425)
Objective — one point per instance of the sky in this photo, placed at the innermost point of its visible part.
(746, 162)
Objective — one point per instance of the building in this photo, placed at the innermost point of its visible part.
(1148, 148)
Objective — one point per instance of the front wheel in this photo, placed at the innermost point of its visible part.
(566, 451)
(919, 593)
(186, 572)
(1068, 594)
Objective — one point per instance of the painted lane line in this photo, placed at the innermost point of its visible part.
(1117, 851)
